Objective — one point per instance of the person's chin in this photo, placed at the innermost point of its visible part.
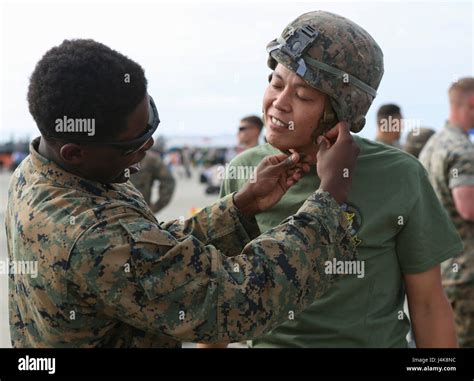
(120, 178)
(124, 176)
(278, 141)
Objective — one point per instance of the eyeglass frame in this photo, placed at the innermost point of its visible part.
(141, 141)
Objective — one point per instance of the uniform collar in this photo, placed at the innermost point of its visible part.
(60, 176)
(456, 129)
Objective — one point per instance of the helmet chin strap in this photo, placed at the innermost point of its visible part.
(327, 121)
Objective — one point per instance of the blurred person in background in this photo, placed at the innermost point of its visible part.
(249, 131)
(449, 159)
(153, 170)
(389, 125)
(416, 140)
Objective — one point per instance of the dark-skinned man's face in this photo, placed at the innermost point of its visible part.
(106, 164)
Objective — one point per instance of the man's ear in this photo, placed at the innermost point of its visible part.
(72, 153)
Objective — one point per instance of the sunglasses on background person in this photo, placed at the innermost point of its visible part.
(245, 128)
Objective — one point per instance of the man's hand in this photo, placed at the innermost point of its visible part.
(336, 158)
(273, 177)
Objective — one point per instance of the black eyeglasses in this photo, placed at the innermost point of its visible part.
(131, 146)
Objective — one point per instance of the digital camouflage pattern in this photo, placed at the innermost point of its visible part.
(416, 140)
(462, 302)
(341, 44)
(449, 159)
(153, 169)
(110, 275)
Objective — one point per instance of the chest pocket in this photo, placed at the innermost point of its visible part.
(161, 263)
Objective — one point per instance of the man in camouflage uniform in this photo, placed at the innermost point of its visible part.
(416, 140)
(153, 169)
(449, 158)
(111, 275)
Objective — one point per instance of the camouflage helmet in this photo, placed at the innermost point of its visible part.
(335, 56)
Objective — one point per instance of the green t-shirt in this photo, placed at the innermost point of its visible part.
(399, 227)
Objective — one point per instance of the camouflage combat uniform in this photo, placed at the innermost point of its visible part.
(416, 140)
(449, 158)
(110, 275)
(153, 169)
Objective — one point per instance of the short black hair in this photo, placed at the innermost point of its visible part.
(253, 119)
(388, 110)
(82, 78)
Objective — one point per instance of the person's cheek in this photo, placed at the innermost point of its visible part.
(269, 98)
(266, 100)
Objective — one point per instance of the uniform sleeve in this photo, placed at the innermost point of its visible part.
(186, 289)
(428, 236)
(461, 167)
(221, 225)
(166, 186)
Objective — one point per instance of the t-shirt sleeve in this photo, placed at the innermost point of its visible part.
(428, 236)
(462, 167)
(230, 183)
(225, 188)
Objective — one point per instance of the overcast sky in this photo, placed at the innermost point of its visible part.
(206, 62)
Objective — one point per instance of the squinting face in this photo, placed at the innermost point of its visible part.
(292, 110)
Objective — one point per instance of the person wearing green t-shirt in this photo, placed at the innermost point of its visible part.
(401, 230)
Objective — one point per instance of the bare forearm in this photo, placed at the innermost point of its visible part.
(433, 324)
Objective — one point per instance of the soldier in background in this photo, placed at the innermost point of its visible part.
(416, 140)
(449, 159)
(389, 125)
(250, 128)
(153, 169)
